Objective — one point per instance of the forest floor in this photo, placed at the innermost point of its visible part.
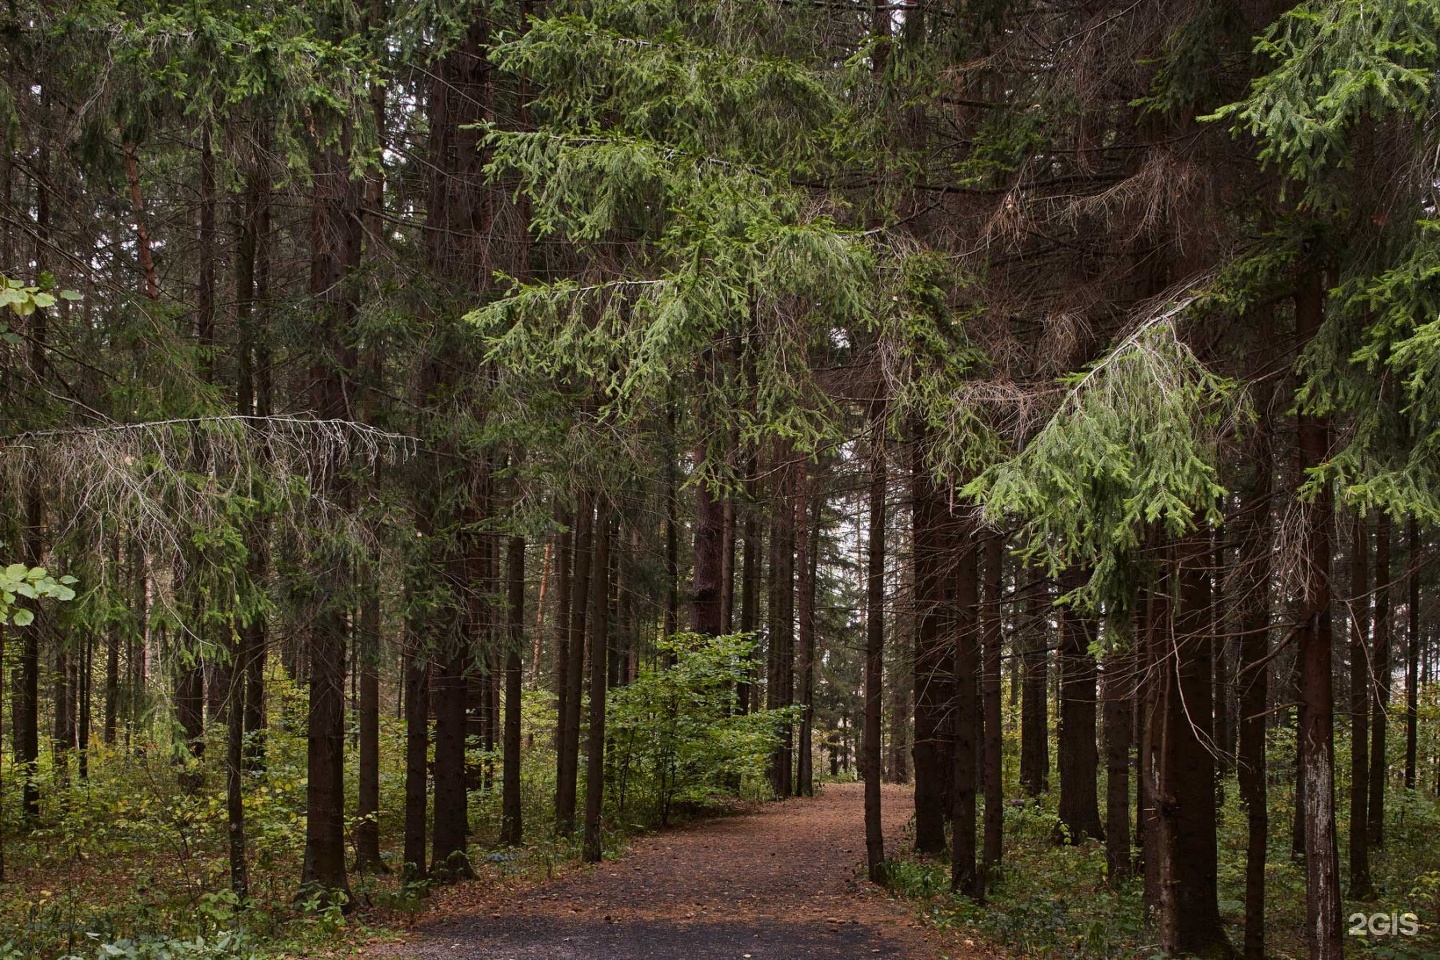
(777, 881)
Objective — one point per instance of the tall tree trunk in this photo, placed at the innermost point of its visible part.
(367, 808)
(1253, 676)
(964, 876)
(1383, 676)
(1317, 696)
(599, 661)
(709, 543)
(1118, 683)
(112, 656)
(449, 845)
(934, 681)
(990, 688)
(749, 584)
(536, 654)
(806, 548)
(568, 761)
(1034, 704)
(672, 537)
(1220, 658)
(417, 743)
(1079, 756)
(875, 646)
(1149, 710)
(1359, 842)
(727, 564)
(235, 770)
(779, 688)
(335, 255)
(254, 399)
(564, 580)
(1412, 660)
(1189, 891)
(83, 690)
(511, 825)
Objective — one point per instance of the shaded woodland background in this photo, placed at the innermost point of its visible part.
(438, 404)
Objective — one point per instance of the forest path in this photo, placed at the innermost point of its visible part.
(781, 881)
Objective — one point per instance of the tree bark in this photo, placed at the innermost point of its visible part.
(1412, 661)
(335, 241)
(417, 746)
(1359, 842)
(709, 543)
(1034, 704)
(779, 688)
(1079, 756)
(807, 534)
(875, 646)
(593, 846)
(964, 876)
(934, 662)
(1317, 697)
(1383, 674)
(1118, 682)
(449, 854)
(1189, 892)
(511, 823)
(568, 761)
(1253, 676)
(367, 808)
(994, 734)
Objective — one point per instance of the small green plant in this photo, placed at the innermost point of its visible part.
(676, 739)
(32, 583)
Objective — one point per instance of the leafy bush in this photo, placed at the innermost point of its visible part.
(676, 738)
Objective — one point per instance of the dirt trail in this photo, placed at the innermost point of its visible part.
(781, 882)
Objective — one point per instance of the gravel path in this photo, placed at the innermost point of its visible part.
(781, 882)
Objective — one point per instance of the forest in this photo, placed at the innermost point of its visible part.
(790, 478)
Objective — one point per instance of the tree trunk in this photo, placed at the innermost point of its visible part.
(934, 682)
(994, 734)
(1189, 898)
(807, 547)
(599, 662)
(1383, 673)
(749, 585)
(511, 825)
(1079, 756)
(367, 809)
(335, 242)
(564, 557)
(1412, 661)
(875, 646)
(112, 658)
(1118, 682)
(1360, 885)
(235, 770)
(1034, 704)
(779, 688)
(727, 564)
(964, 876)
(449, 845)
(709, 543)
(1149, 709)
(1253, 676)
(536, 657)
(1317, 698)
(568, 761)
(417, 745)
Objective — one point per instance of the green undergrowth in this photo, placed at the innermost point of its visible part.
(127, 864)
(1054, 902)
